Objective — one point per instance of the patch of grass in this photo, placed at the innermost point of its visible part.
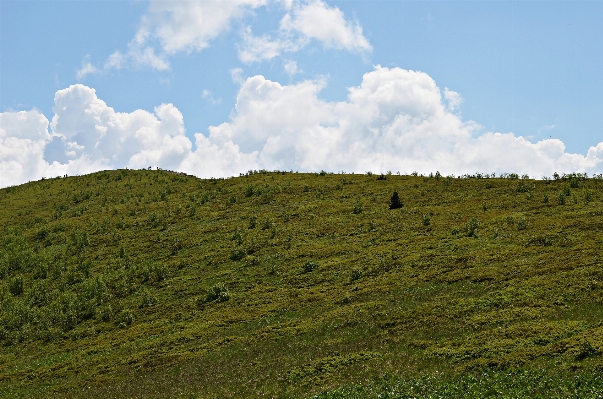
(151, 284)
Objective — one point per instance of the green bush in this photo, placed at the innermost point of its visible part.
(147, 298)
(426, 220)
(356, 274)
(358, 207)
(16, 286)
(522, 224)
(127, 318)
(587, 196)
(471, 227)
(217, 292)
(310, 266)
(252, 221)
(237, 254)
(561, 198)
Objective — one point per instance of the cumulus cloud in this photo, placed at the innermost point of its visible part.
(395, 119)
(170, 27)
(87, 135)
(303, 22)
(316, 20)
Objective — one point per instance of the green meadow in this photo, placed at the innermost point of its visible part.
(147, 283)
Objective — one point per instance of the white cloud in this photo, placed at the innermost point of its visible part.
(170, 27)
(261, 48)
(395, 120)
(86, 69)
(291, 68)
(115, 61)
(87, 135)
(236, 74)
(208, 95)
(316, 20)
(453, 98)
(305, 21)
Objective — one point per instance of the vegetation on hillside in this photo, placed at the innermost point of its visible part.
(155, 284)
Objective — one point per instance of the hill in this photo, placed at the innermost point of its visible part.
(155, 284)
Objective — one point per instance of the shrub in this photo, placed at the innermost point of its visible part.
(561, 198)
(249, 190)
(394, 201)
(237, 236)
(357, 207)
(16, 286)
(237, 254)
(105, 313)
(566, 190)
(381, 177)
(310, 266)
(545, 199)
(356, 274)
(587, 196)
(522, 224)
(160, 271)
(426, 220)
(472, 226)
(147, 299)
(252, 221)
(127, 318)
(522, 186)
(217, 292)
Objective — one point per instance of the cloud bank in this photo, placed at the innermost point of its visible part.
(396, 120)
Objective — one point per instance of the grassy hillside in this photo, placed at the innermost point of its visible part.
(152, 284)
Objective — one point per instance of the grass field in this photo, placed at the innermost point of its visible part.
(153, 284)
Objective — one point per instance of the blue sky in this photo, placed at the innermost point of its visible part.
(461, 87)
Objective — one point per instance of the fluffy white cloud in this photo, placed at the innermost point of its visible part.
(303, 22)
(316, 20)
(395, 120)
(171, 26)
(88, 135)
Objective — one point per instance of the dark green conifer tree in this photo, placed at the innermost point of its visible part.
(394, 202)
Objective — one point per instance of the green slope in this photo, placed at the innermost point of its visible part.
(152, 284)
